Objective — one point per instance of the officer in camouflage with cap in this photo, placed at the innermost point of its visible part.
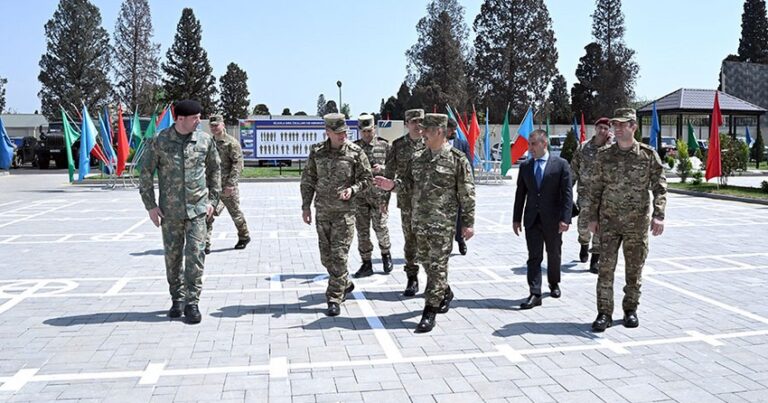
(369, 203)
(336, 171)
(231, 155)
(400, 154)
(189, 178)
(626, 173)
(440, 182)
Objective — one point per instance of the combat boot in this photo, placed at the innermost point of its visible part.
(584, 253)
(412, 287)
(348, 290)
(593, 268)
(386, 261)
(445, 304)
(366, 269)
(602, 322)
(242, 243)
(630, 319)
(333, 309)
(427, 320)
(462, 247)
(177, 307)
(207, 250)
(192, 314)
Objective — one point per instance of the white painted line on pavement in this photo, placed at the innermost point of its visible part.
(613, 346)
(278, 367)
(9, 203)
(510, 353)
(706, 339)
(18, 381)
(21, 297)
(381, 333)
(133, 227)
(50, 210)
(115, 290)
(275, 282)
(152, 373)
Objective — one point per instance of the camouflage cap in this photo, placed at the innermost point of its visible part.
(215, 120)
(414, 114)
(624, 115)
(434, 120)
(365, 122)
(336, 122)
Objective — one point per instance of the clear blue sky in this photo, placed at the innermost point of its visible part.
(295, 50)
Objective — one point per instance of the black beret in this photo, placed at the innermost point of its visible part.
(188, 107)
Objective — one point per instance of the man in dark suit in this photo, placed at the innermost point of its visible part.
(544, 188)
(463, 146)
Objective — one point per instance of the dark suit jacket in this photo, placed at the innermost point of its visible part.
(553, 202)
(461, 145)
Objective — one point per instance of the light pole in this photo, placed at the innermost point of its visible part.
(338, 84)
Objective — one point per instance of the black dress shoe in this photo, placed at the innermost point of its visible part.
(593, 263)
(584, 253)
(554, 291)
(630, 319)
(333, 309)
(533, 300)
(386, 261)
(177, 307)
(207, 250)
(366, 269)
(412, 287)
(348, 290)
(427, 322)
(602, 322)
(462, 247)
(241, 244)
(445, 304)
(192, 313)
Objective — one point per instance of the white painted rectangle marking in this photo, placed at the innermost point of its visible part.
(18, 380)
(385, 340)
(278, 367)
(152, 374)
(510, 353)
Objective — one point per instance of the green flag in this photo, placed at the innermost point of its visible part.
(506, 153)
(68, 140)
(136, 129)
(693, 145)
(151, 128)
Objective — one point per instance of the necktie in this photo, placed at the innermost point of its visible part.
(538, 172)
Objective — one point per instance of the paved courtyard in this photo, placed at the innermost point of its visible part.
(83, 301)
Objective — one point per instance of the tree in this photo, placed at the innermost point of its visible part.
(584, 92)
(345, 110)
(234, 94)
(753, 45)
(3, 81)
(75, 67)
(438, 59)
(137, 58)
(559, 101)
(618, 70)
(187, 70)
(389, 109)
(330, 107)
(261, 109)
(569, 145)
(515, 56)
(321, 105)
(757, 149)
(300, 113)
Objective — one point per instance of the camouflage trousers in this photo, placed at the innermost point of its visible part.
(433, 253)
(232, 203)
(411, 247)
(583, 226)
(365, 214)
(635, 247)
(334, 238)
(184, 238)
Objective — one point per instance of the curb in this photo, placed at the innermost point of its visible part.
(718, 197)
(92, 182)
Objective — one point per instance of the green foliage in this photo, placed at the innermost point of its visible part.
(764, 186)
(234, 94)
(753, 44)
(697, 177)
(733, 156)
(569, 146)
(670, 161)
(684, 165)
(757, 149)
(261, 109)
(559, 101)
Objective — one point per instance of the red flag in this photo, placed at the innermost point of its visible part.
(714, 167)
(122, 142)
(474, 133)
(582, 130)
(462, 126)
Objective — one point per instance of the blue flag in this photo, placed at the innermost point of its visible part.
(6, 148)
(575, 129)
(655, 129)
(87, 142)
(487, 143)
(749, 138)
(106, 137)
(459, 133)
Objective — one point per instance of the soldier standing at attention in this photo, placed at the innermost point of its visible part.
(583, 169)
(336, 170)
(369, 203)
(231, 156)
(440, 181)
(400, 154)
(189, 177)
(626, 173)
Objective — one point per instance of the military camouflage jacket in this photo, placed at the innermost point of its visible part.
(622, 181)
(400, 154)
(376, 151)
(440, 182)
(188, 172)
(583, 165)
(330, 171)
(231, 156)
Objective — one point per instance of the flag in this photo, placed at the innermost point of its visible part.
(136, 130)
(459, 132)
(87, 144)
(6, 148)
(506, 159)
(653, 139)
(69, 138)
(151, 128)
(575, 129)
(474, 134)
(165, 121)
(693, 145)
(106, 141)
(487, 143)
(525, 129)
(749, 138)
(583, 132)
(714, 167)
(122, 142)
(549, 146)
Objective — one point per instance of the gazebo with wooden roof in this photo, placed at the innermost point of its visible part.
(687, 101)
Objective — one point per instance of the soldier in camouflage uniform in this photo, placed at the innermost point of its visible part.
(189, 177)
(583, 167)
(400, 154)
(369, 203)
(625, 173)
(231, 156)
(336, 170)
(439, 182)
